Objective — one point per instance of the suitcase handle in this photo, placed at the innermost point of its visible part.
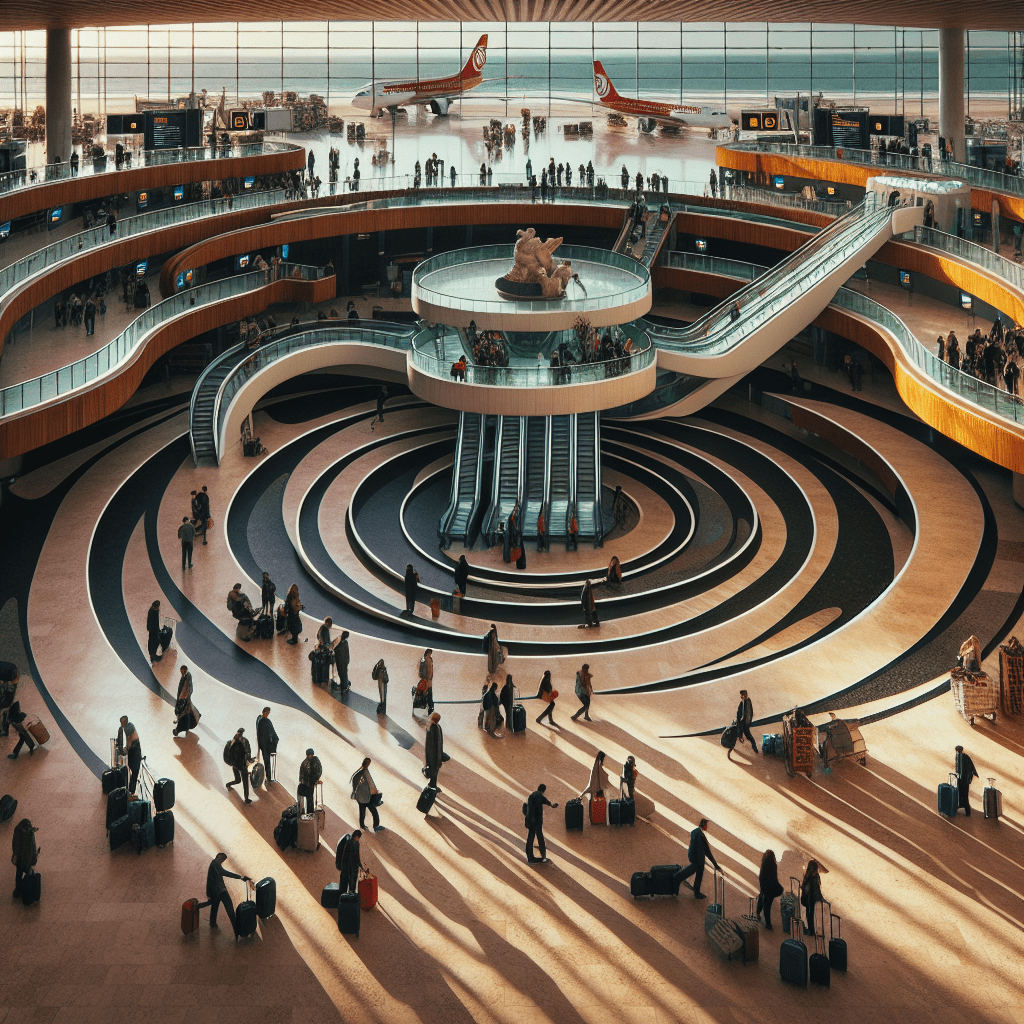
(720, 902)
(832, 918)
(954, 778)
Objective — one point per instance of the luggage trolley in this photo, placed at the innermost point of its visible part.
(840, 741)
(975, 695)
(798, 742)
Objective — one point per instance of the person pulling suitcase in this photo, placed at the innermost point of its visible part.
(217, 890)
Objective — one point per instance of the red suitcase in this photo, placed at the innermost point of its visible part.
(368, 892)
(598, 810)
(189, 916)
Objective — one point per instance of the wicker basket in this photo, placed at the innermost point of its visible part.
(1011, 677)
(974, 694)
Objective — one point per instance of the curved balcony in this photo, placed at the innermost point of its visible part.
(368, 344)
(19, 397)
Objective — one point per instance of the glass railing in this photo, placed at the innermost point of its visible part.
(89, 166)
(726, 326)
(387, 335)
(82, 242)
(892, 161)
(626, 265)
(429, 341)
(19, 397)
(702, 264)
(970, 252)
(962, 384)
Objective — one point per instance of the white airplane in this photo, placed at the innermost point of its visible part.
(435, 93)
(652, 112)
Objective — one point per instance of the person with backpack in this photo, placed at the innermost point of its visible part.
(534, 815)
(348, 861)
(424, 692)
(266, 741)
(744, 716)
(585, 691)
(25, 852)
(310, 772)
(367, 795)
(238, 756)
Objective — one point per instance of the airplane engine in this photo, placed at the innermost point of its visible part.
(646, 124)
(439, 106)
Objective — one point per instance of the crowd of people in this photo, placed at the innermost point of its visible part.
(994, 358)
(488, 347)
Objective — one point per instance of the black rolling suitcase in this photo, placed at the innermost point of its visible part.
(793, 952)
(163, 825)
(120, 832)
(836, 943)
(423, 805)
(144, 836)
(139, 811)
(349, 909)
(266, 898)
(166, 636)
(245, 919)
(574, 815)
(264, 628)
(329, 895)
(666, 879)
(31, 888)
(621, 812)
(640, 884)
(114, 778)
(117, 805)
(518, 718)
(163, 794)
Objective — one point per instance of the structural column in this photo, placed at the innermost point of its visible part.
(58, 94)
(951, 91)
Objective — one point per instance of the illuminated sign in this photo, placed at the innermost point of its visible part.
(966, 300)
(242, 262)
(55, 214)
(830, 190)
(180, 283)
(239, 120)
(5, 229)
(249, 182)
(143, 200)
(179, 193)
(284, 251)
(701, 244)
(759, 120)
(140, 268)
(778, 181)
(905, 278)
(159, 120)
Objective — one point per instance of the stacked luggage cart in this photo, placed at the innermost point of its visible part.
(975, 694)
(840, 741)
(798, 742)
(1011, 677)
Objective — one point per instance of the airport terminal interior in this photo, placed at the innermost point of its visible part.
(597, 369)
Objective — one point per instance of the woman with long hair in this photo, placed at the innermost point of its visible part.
(292, 607)
(366, 795)
(810, 891)
(547, 694)
(770, 887)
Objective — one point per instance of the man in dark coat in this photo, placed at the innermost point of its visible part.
(412, 582)
(744, 716)
(965, 773)
(217, 891)
(342, 657)
(310, 772)
(348, 861)
(535, 824)
(382, 397)
(153, 631)
(25, 852)
(434, 745)
(266, 741)
(128, 743)
(697, 853)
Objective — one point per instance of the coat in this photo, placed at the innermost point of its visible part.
(215, 875)
(310, 771)
(240, 754)
(699, 849)
(598, 780)
(363, 786)
(24, 853)
(153, 621)
(266, 735)
(434, 745)
(745, 712)
(535, 809)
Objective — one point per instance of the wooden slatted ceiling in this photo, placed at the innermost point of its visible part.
(999, 15)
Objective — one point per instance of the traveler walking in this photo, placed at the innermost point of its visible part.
(506, 699)
(627, 780)
(462, 575)
(548, 695)
(697, 852)
(382, 397)
(412, 582)
(769, 887)
(186, 717)
(24, 852)
(204, 509)
(128, 743)
(965, 773)
(535, 824)
(425, 688)
(490, 708)
(324, 643)
(585, 692)
(266, 743)
(493, 650)
(744, 716)
(187, 535)
(589, 606)
(434, 749)
(310, 772)
(217, 891)
(380, 673)
(367, 795)
(239, 756)
(153, 631)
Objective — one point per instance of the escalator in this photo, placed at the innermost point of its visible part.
(507, 482)
(537, 433)
(458, 519)
(561, 481)
(588, 476)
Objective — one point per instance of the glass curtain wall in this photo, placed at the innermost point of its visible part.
(532, 64)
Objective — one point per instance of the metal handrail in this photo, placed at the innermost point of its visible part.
(33, 177)
(113, 355)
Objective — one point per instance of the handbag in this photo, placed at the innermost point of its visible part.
(376, 799)
(179, 707)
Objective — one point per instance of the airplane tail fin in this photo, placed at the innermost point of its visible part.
(474, 67)
(603, 84)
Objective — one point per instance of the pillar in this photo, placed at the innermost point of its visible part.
(58, 94)
(951, 91)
